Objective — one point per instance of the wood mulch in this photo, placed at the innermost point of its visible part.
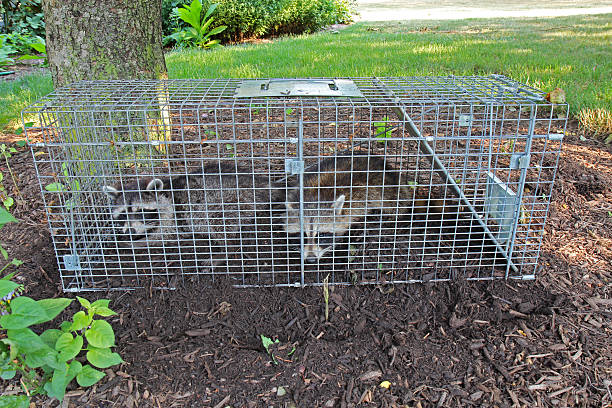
(546, 343)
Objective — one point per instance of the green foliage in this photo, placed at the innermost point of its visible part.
(6, 50)
(50, 361)
(6, 152)
(23, 17)
(199, 31)
(259, 18)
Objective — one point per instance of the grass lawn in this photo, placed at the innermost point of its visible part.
(572, 53)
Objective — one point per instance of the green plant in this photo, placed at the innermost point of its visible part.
(383, 130)
(40, 47)
(23, 16)
(199, 32)
(5, 52)
(48, 362)
(6, 152)
(267, 342)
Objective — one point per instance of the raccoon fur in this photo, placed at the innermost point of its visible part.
(346, 198)
(221, 205)
(340, 193)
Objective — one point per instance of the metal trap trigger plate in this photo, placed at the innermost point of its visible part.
(501, 205)
(297, 87)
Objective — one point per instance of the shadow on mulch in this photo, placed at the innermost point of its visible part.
(542, 343)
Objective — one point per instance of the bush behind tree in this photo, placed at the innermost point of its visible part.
(248, 19)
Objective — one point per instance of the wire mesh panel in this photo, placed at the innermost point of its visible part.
(295, 182)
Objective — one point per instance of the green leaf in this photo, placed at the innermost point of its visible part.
(4, 254)
(39, 47)
(21, 143)
(80, 320)
(6, 217)
(89, 376)
(14, 401)
(103, 311)
(100, 334)
(65, 327)
(16, 262)
(55, 187)
(8, 202)
(61, 378)
(50, 336)
(7, 374)
(84, 302)
(41, 357)
(27, 340)
(37, 353)
(217, 30)
(103, 357)
(68, 346)
(24, 312)
(267, 342)
(7, 286)
(53, 307)
(101, 302)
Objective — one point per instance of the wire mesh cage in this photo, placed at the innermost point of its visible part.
(295, 181)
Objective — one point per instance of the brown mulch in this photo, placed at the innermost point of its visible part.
(504, 343)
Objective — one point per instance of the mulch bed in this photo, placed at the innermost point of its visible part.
(501, 343)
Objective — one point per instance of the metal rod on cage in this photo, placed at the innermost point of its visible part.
(521, 185)
(300, 154)
(431, 156)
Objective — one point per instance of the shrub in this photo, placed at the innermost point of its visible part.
(247, 19)
(199, 31)
(23, 17)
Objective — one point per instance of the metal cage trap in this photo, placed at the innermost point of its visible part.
(293, 182)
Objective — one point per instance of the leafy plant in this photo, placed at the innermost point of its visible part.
(23, 16)
(383, 130)
(199, 32)
(5, 52)
(50, 361)
(39, 46)
(7, 152)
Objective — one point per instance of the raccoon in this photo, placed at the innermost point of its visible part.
(223, 205)
(339, 194)
(358, 194)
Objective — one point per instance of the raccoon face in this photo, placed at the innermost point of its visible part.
(324, 225)
(138, 214)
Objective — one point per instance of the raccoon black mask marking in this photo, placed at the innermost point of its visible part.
(141, 214)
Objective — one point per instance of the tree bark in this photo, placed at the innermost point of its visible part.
(110, 39)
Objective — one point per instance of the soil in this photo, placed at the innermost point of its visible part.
(499, 343)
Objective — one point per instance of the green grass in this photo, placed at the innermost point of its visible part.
(572, 53)
(16, 95)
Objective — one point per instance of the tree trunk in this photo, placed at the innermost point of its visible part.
(110, 39)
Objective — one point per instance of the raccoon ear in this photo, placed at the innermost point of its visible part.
(155, 184)
(110, 191)
(339, 204)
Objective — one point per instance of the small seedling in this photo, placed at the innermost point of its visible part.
(383, 129)
(7, 153)
(289, 111)
(267, 342)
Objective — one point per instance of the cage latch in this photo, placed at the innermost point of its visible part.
(294, 166)
(465, 120)
(72, 263)
(519, 161)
